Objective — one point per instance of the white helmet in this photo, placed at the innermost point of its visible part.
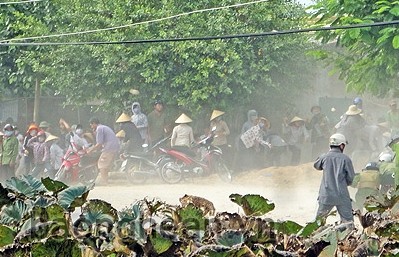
(386, 157)
(338, 139)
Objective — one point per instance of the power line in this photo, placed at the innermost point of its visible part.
(20, 2)
(135, 24)
(207, 38)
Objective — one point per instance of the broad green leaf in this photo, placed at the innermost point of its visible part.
(7, 236)
(160, 243)
(96, 205)
(395, 10)
(73, 196)
(254, 205)
(13, 213)
(192, 218)
(53, 185)
(287, 227)
(395, 42)
(309, 228)
(21, 187)
(55, 248)
(230, 238)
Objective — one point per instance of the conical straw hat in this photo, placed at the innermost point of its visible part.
(353, 110)
(216, 114)
(296, 118)
(123, 118)
(51, 137)
(183, 119)
(121, 134)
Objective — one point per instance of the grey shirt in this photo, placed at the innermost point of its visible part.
(338, 174)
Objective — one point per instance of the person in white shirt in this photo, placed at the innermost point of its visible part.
(182, 135)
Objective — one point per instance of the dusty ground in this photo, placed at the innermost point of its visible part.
(293, 190)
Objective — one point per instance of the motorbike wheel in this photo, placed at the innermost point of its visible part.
(223, 171)
(134, 175)
(88, 175)
(170, 172)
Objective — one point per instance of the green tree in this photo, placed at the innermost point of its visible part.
(366, 58)
(189, 74)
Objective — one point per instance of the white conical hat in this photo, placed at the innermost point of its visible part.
(123, 118)
(183, 119)
(121, 134)
(216, 113)
(296, 118)
(51, 137)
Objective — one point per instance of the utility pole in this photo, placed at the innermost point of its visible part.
(37, 102)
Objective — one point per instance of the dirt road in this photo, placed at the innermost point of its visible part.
(293, 190)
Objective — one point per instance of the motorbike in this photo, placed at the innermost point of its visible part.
(176, 164)
(78, 167)
(139, 166)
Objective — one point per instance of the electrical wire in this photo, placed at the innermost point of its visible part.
(20, 2)
(251, 35)
(136, 24)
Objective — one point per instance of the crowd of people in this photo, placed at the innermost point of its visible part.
(40, 149)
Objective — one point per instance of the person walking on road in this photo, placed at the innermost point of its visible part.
(338, 174)
(109, 143)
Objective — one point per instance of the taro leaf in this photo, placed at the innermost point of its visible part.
(21, 187)
(4, 198)
(36, 231)
(192, 218)
(254, 205)
(42, 201)
(310, 227)
(102, 207)
(13, 213)
(241, 252)
(34, 183)
(57, 248)
(73, 196)
(53, 185)
(230, 238)
(287, 227)
(7, 235)
(160, 243)
(130, 225)
(97, 217)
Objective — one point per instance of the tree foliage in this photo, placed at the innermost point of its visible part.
(368, 59)
(188, 74)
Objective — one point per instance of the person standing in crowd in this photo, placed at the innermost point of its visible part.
(338, 174)
(107, 141)
(392, 117)
(9, 152)
(252, 116)
(350, 126)
(221, 130)
(132, 138)
(182, 135)
(250, 144)
(45, 126)
(140, 120)
(41, 160)
(54, 153)
(27, 151)
(65, 129)
(320, 131)
(296, 134)
(359, 103)
(157, 123)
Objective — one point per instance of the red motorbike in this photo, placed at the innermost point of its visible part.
(177, 164)
(78, 167)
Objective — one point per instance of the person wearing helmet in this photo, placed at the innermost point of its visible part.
(252, 116)
(9, 153)
(358, 102)
(157, 126)
(338, 174)
(41, 160)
